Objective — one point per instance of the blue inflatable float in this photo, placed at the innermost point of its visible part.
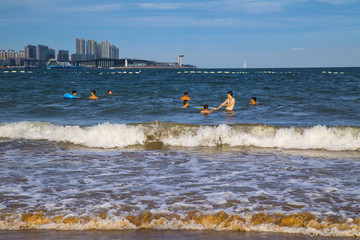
(69, 96)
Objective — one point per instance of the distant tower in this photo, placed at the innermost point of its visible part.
(126, 62)
(105, 49)
(180, 56)
(80, 47)
(91, 50)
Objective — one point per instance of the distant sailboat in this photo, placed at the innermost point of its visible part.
(245, 64)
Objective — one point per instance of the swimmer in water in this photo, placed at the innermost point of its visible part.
(109, 92)
(206, 110)
(185, 97)
(74, 93)
(229, 102)
(186, 104)
(253, 101)
(93, 97)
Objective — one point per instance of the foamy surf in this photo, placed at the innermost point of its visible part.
(106, 135)
(299, 223)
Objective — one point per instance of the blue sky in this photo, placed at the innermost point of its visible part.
(277, 33)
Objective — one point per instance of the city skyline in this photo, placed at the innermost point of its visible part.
(40, 51)
(279, 33)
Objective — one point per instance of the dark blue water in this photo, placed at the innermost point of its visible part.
(137, 160)
(291, 97)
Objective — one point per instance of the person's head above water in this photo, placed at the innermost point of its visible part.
(93, 92)
(206, 107)
(186, 104)
(253, 101)
(185, 97)
(230, 93)
(74, 92)
(109, 92)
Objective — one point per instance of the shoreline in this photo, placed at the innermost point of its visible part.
(145, 234)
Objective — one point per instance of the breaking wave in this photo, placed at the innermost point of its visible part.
(299, 223)
(106, 135)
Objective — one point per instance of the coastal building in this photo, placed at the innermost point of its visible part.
(180, 56)
(98, 50)
(76, 57)
(2, 54)
(105, 49)
(21, 54)
(63, 55)
(42, 52)
(91, 49)
(30, 51)
(51, 53)
(10, 54)
(80, 47)
(114, 52)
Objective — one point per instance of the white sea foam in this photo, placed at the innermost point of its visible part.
(121, 135)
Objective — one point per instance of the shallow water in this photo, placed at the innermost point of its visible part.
(137, 161)
(149, 235)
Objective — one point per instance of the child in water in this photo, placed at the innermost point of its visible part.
(206, 110)
(74, 93)
(186, 104)
(253, 101)
(93, 97)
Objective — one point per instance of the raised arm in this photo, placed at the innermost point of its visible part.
(223, 104)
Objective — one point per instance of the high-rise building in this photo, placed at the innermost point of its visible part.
(80, 47)
(2, 54)
(91, 49)
(51, 53)
(63, 55)
(114, 52)
(21, 54)
(30, 51)
(98, 50)
(42, 52)
(105, 49)
(10, 54)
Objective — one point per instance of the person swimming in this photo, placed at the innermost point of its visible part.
(185, 97)
(186, 104)
(253, 101)
(206, 110)
(229, 102)
(74, 93)
(93, 97)
(109, 92)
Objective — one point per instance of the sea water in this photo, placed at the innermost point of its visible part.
(137, 160)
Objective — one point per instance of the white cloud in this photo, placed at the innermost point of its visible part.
(160, 6)
(298, 49)
(253, 6)
(337, 2)
(94, 8)
(264, 6)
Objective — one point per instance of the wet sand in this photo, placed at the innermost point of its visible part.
(151, 235)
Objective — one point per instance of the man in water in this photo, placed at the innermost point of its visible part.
(229, 102)
(74, 93)
(109, 92)
(206, 110)
(186, 104)
(93, 97)
(253, 101)
(185, 97)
